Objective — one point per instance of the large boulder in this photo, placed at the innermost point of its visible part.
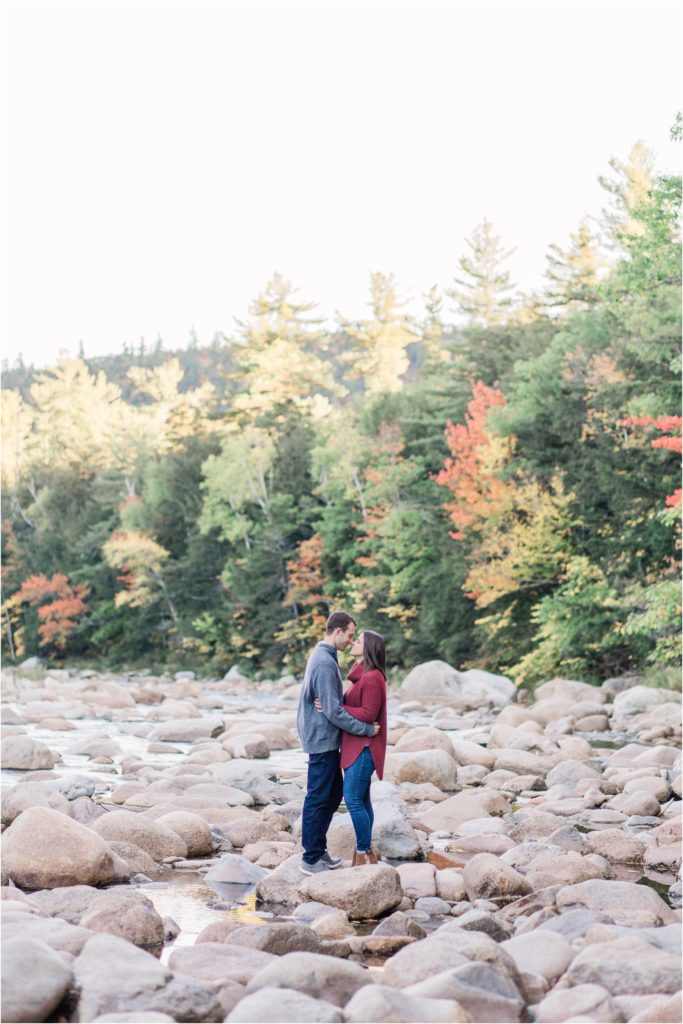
(34, 980)
(114, 976)
(278, 937)
(157, 840)
(216, 963)
(193, 829)
(424, 738)
(362, 892)
(282, 885)
(43, 849)
(436, 682)
(642, 698)
(318, 976)
(21, 752)
(545, 953)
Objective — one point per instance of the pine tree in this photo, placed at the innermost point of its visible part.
(379, 358)
(484, 290)
(573, 272)
(628, 190)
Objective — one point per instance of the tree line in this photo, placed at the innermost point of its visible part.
(493, 481)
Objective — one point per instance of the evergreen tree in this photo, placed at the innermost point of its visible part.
(379, 354)
(573, 273)
(628, 188)
(483, 293)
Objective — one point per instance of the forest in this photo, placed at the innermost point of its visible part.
(494, 481)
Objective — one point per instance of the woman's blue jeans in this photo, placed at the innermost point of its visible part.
(357, 778)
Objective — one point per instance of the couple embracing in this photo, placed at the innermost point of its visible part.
(342, 731)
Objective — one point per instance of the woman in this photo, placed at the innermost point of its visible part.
(361, 756)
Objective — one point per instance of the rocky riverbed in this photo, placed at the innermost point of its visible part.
(530, 855)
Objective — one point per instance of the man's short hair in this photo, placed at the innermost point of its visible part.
(339, 620)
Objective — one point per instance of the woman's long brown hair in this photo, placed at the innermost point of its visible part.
(374, 654)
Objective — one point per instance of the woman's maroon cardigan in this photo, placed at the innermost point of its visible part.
(366, 699)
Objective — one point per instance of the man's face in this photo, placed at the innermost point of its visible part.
(344, 637)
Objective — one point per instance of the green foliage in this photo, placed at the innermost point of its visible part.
(216, 503)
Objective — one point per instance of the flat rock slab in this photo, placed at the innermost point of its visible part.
(363, 892)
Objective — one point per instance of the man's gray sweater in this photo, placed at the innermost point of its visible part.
(318, 731)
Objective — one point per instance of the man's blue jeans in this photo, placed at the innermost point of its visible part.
(357, 778)
(323, 796)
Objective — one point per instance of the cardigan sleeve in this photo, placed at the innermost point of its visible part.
(371, 695)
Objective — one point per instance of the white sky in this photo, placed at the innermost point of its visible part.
(161, 159)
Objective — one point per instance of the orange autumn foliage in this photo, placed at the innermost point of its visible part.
(59, 605)
(469, 475)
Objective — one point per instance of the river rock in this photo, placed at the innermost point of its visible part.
(193, 829)
(381, 1003)
(21, 752)
(485, 875)
(627, 966)
(327, 922)
(17, 798)
(282, 884)
(216, 963)
(450, 885)
(43, 849)
(483, 991)
(424, 738)
(34, 980)
(127, 914)
(362, 892)
(187, 730)
(278, 937)
(418, 879)
(589, 1002)
(451, 813)
(467, 753)
(642, 698)
(625, 903)
(236, 870)
(435, 766)
(321, 977)
(59, 935)
(616, 846)
(246, 745)
(155, 839)
(436, 682)
(282, 1005)
(135, 981)
(544, 953)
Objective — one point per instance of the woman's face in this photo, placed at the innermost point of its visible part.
(357, 649)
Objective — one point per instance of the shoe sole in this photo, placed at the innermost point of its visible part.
(303, 871)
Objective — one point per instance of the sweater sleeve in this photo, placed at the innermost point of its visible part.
(325, 690)
(371, 696)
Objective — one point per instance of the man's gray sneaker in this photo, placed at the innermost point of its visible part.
(332, 862)
(314, 869)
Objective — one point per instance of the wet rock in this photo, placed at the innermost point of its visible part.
(400, 924)
(31, 994)
(236, 870)
(627, 966)
(282, 1005)
(155, 839)
(663, 858)
(133, 982)
(321, 977)
(590, 1002)
(127, 914)
(381, 1003)
(363, 892)
(486, 875)
(43, 849)
(21, 752)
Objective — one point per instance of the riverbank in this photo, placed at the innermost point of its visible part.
(531, 855)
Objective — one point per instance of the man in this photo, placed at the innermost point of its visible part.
(319, 735)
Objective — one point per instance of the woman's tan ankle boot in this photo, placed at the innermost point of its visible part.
(354, 858)
(361, 858)
(372, 857)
